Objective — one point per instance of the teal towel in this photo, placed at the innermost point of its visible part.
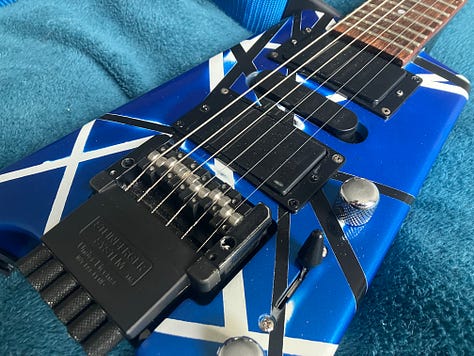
(63, 63)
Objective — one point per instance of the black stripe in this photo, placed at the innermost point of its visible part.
(280, 280)
(340, 245)
(140, 123)
(443, 73)
(245, 61)
(384, 189)
(243, 67)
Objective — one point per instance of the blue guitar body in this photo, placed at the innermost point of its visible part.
(396, 154)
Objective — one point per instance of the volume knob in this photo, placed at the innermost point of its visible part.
(357, 200)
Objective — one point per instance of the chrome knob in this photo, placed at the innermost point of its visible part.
(242, 345)
(357, 200)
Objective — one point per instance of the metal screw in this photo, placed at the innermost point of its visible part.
(337, 158)
(205, 108)
(293, 203)
(386, 111)
(307, 29)
(266, 323)
(127, 162)
(399, 92)
(225, 91)
(416, 78)
(179, 123)
(314, 177)
(274, 54)
(113, 172)
(294, 41)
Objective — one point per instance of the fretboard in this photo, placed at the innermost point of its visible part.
(398, 28)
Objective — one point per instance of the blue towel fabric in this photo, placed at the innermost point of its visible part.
(65, 63)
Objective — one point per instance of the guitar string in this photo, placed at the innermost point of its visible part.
(281, 66)
(305, 98)
(312, 92)
(257, 188)
(241, 134)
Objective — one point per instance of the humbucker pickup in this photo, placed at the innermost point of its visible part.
(261, 143)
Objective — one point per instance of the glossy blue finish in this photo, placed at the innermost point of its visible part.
(397, 153)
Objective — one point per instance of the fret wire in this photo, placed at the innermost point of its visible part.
(454, 7)
(413, 10)
(439, 22)
(418, 34)
(442, 13)
(383, 38)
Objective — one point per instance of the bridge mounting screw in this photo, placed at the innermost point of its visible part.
(205, 108)
(416, 78)
(224, 91)
(274, 54)
(337, 158)
(266, 323)
(293, 203)
(386, 111)
(314, 177)
(294, 41)
(399, 92)
(307, 29)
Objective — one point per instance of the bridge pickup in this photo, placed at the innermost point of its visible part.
(309, 104)
(368, 77)
(262, 145)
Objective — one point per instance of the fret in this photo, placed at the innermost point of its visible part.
(454, 7)
(421, 24)
(435, 9)
(422, 14)
(399, 28)
(391, 31)
(390, 41)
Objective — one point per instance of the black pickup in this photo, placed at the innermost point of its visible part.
(309, 104)
(373, 80)
(262, 144)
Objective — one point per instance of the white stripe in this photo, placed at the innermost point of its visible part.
(235, 308)
(434, 81)
(336, 97)
(272, 45)
(68, 177)
(51, 165)
(216, 70)
(219, 334)
(247, 44)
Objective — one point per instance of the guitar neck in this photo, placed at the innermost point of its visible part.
(399, 28)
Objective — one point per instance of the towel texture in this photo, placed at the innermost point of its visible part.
(65, 63)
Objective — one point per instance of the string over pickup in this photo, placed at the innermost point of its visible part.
(373, 80)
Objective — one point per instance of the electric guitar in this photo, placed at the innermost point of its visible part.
(248, 203)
